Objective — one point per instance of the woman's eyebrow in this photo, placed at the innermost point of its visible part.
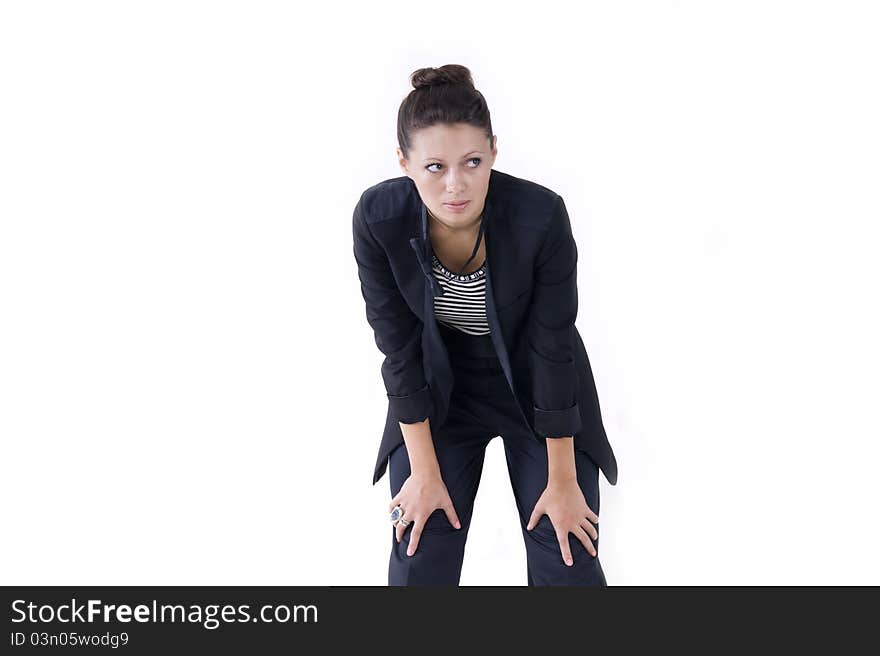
(479, 152)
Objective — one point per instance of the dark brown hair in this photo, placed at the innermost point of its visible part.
(441, 95)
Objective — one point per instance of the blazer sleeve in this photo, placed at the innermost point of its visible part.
(397, 330)
(551, 330)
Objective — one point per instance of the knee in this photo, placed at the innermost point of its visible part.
(546, 564)
(547, 568)
(438, 557)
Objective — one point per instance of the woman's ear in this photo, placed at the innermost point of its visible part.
(403, 163)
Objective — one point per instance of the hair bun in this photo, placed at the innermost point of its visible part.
(447, 74)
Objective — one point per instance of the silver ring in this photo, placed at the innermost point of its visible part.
(404, 522)
(396, 514)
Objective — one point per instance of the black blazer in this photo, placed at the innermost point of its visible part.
(531, 306)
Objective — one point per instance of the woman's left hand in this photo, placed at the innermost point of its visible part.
(563, 502)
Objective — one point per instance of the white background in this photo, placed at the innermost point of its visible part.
(187, 378)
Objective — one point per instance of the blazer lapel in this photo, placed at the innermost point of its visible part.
(438, 368)
(491, 315)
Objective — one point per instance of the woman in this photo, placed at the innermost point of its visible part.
(469, 277)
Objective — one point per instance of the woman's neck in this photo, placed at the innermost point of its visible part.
(453, 246)
(443, 231)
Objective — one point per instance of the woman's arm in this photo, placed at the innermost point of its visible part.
(554, 376)
(551, 345)
(551, 331)
(398, 335)
(560, 458)
(420, 447)
(397, 331)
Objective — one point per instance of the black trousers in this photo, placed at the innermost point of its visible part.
(483, 407)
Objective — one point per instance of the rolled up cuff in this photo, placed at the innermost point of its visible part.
(557, 423)
(412, 408)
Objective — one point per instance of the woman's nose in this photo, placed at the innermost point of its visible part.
(453, 183)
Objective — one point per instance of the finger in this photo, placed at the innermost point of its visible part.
(563, 547)
(535, 518)
(451, 515)
(593, 517)
(585, 540)
(414, 538)
(591, 530)
(394, 502)
(400, 528)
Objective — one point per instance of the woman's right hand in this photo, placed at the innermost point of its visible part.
(419, 496)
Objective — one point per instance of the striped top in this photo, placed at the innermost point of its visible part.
(463, 303)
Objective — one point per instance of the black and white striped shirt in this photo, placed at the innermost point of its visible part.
(463, 303)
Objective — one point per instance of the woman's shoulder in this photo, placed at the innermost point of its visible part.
(389, 199)
(522, 201)
(508, 184)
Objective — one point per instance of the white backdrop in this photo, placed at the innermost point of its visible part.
(187, 378)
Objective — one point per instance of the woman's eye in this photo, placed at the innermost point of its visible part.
(472, 159)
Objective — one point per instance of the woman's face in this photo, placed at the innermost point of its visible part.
(451, 163)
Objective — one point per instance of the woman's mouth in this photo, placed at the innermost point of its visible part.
(457, 207)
